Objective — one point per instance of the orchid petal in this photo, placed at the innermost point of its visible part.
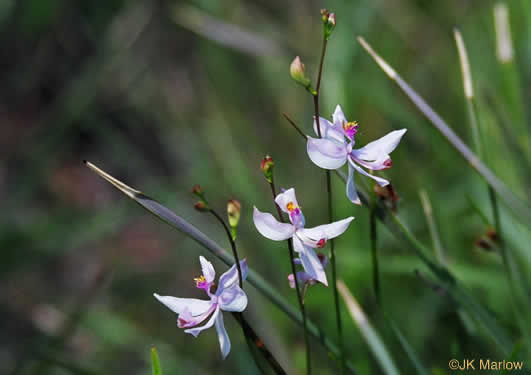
(325, 153)
(223, 337)
(339, 117)
(285, 198)
(302, 277)
(269, 227)
(186, 319)
(329, 131)
(197, 330)
(326, 231)
(310, 262)
(208, 270)
(231, 277)
(376, 150)
(381, 181)
(178, 305)
(383, 163)
(352, 194)
(233, 299)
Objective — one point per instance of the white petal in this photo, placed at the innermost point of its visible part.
(195, 306)
(269, 227)
(208, 270)
(376, 150)
(312, 265)
(233, 299)
(379, 180)
(329, 131)
(196, 330)
(327, 231)
(326, 153)
(339, 117)
(286, 197)
(352, 194)
(223, 337)
(231, 277)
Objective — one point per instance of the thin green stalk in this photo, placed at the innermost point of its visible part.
(434, 233)
(374, 251)
(232, 245)
(300, 298)
(330, 213)
(251, 338)
(255, 279)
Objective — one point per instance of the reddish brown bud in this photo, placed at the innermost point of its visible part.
(266, 166)
(387, 194)
(201, 206)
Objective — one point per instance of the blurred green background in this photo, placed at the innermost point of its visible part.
(167, 94)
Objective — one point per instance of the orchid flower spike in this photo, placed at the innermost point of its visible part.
(304, 240)
(228, 297)
(302, 277)
(336, 147)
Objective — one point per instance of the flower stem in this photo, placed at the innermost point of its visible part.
(251, 337)
(330, 215)
(374, 252)
(296, 280)
(232, 244)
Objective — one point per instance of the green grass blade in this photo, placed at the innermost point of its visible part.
(155, 363)
(412, 355)
(519, 207)
(255, 279)
(370, 335)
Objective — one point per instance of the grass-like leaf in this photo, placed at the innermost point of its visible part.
(155, 363)
(371, 337)
(519, 207)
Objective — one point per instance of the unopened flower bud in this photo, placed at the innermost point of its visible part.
(197, 190)
(297, 72)
(201, 206)
(266, 166)
(387, 194)
(233, 212)
(329, 22)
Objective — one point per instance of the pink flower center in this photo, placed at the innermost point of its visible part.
(321, 243)
(201, 283)
(350, 129)
(388, 163)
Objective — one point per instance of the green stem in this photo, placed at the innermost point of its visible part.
(251, 338)
(330, 213)
(232, 244)
(296, 280)
(374, 251)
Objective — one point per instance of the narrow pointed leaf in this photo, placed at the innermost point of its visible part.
(155, 363)
(370, 335)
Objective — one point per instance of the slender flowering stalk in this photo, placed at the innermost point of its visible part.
(329, 23)
(268, 173)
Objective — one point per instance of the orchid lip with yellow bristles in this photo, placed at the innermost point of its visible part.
(332, 150)
(228, 297)
(304, 239)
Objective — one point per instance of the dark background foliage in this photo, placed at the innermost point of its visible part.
(167, 94)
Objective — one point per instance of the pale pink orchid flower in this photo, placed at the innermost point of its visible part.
(336, 147)
(228, 297)
(304, 239)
